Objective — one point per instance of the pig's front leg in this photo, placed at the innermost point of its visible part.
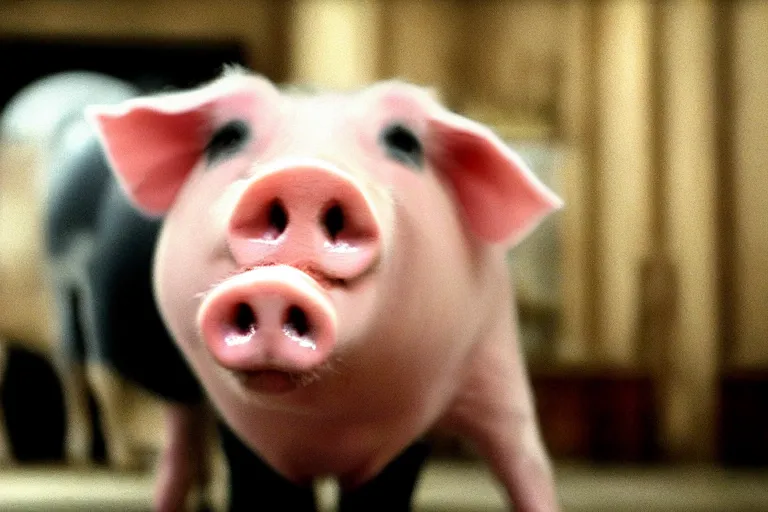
(183, 464)
(494, 410)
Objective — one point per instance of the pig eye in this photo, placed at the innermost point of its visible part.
(227, 140)
(402, 145)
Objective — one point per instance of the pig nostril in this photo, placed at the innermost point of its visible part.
(245, 320)
(278, 217)
(333, 221)
(296, 322)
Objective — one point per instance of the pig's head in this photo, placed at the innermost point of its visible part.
(297, 225)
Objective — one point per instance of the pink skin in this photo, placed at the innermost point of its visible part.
(183, 463)
(406, 315)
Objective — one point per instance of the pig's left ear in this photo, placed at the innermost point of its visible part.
(501, 199)
(151, 150)
(153, 142)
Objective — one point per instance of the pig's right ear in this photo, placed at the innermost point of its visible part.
(152, 143)
(502, 200)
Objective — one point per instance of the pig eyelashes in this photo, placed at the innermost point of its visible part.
(401, 144)
(227, 140)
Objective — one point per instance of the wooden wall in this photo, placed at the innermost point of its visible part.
(659, 111)
(259, 24)
(749, 174)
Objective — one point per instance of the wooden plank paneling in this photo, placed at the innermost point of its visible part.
(422, 43)
(690, 195)
(750, 173)
(574, 114)
(256, 23)
(623, 172)
(726, 225)
(335, 43)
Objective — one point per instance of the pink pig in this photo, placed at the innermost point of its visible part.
(332, 266)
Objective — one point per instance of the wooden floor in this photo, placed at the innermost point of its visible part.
(444, 487)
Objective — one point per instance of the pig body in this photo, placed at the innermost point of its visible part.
(39, 117)
(99, 250)
(332, 267)
(88, 249)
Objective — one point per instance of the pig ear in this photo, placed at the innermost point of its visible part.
(501, 199)
(152, 143)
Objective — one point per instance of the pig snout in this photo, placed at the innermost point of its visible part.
(296, 232)
(272, 326)
(310, 215)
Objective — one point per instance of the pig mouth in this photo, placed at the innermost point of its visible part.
(321, 277)
(275, 381)
(280, 380)
(327, 281)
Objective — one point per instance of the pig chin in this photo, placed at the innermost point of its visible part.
(274, 328)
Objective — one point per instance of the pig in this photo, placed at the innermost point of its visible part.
(42, 135)
(79, 276)
(332, 266)
(100, 253)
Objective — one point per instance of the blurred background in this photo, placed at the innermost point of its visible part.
(643, 304)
